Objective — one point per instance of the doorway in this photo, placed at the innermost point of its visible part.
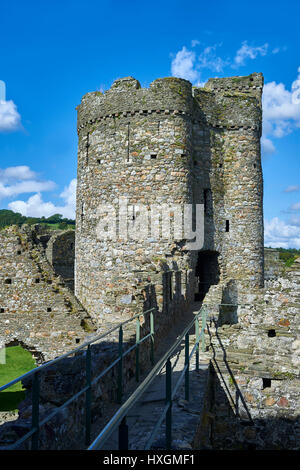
(207, 272)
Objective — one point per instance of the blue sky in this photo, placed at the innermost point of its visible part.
(54, 52)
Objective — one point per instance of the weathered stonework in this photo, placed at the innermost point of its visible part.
(37, 310)
(257, 365)
(169, 144)
(274, 266)
(60, 252)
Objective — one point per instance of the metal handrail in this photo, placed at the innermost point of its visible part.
(120, 415)
(73, 351)
(36, 424)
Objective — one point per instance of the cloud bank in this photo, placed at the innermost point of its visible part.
(36, 207)
(10, 119)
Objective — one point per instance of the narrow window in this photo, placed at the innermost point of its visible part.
(87, 147)
(206, 199)
(220, 165)
(227, 226)
(98, 161)
(271, 333)
(18, 252)
(266, 383)
(7, 281)
(37, 280)
(254, 165)
(1, 310)
(153, 156)
(49, 309)
(77, 340)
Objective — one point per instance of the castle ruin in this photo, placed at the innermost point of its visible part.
(170, 144)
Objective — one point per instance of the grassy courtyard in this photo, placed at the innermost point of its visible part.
(18, 361)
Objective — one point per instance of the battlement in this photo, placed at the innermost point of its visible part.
(223, 103)
(126, 98)
(250, 84)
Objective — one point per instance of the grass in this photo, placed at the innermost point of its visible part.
(18, 361)
(57, 226)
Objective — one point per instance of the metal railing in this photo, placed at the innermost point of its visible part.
(118, 421)
(36, 423)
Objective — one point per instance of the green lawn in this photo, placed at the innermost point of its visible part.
(18, 361)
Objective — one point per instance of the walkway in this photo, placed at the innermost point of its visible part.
(185, 414)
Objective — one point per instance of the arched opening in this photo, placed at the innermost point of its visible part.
(207, 272)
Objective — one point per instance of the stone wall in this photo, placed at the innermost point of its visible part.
(37, 309)
(257, 371)
(274, 266)
(175, 145)
(60, 253)
(60, 381)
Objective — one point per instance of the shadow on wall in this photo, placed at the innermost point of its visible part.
(232, 426)
(207, 272)
(59, 382)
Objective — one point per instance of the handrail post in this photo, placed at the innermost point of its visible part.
(203, 328)
(152, 338)
(137, 352)
(123, 435)
(197, 335)
(35, 411)
(120, 373)
(187, 371)
(88, 397)
(169, 401)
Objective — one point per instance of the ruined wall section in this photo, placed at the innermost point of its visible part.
(257, 363)
(60, 252)
(134, 143)
(274, 266)
(36, 308)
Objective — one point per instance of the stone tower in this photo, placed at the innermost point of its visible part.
(169, 144)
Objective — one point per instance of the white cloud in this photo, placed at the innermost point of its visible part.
(295, 220)
(10, 119)
(21, 172)
(21, 179)
(281, 107)
(36, 207)
(249, 52)
(291, 189)
(187, 65)
(267, 145)
(25, 187)
(295, 207)
(195, 42)
(281, 110)
(183, 65)
(281, 234)
(209, 60)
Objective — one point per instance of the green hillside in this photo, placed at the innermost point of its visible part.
(55, 221)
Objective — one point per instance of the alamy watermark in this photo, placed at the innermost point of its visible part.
(152, 222)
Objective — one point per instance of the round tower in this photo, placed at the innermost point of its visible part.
(134, 153)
